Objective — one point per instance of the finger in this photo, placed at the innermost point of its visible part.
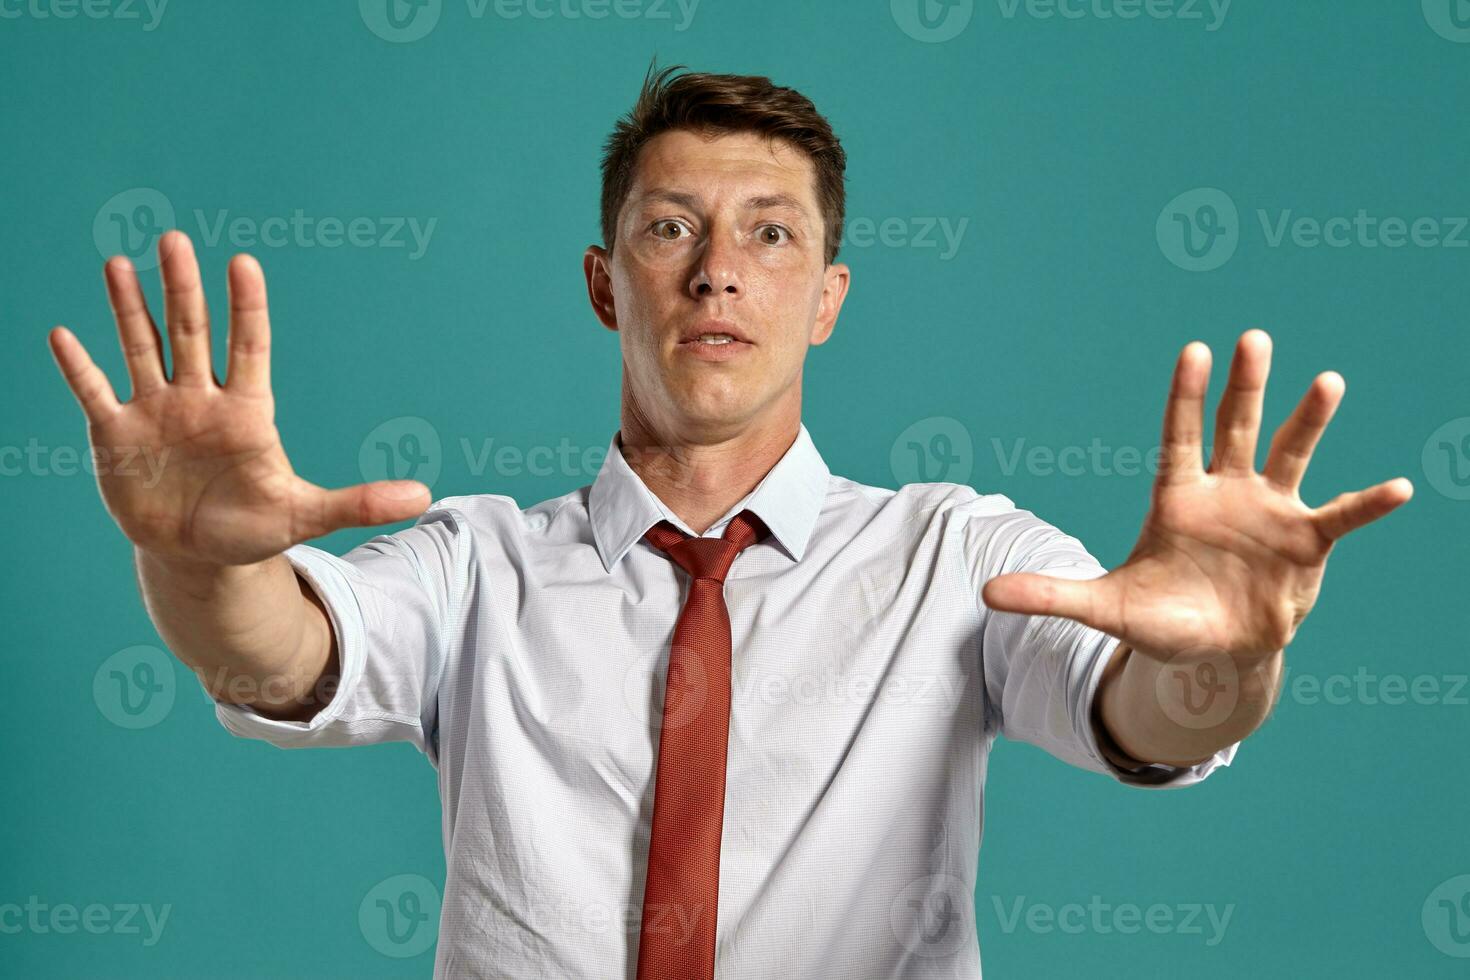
(319, 511)
(1238, 421)
(248, 370)
(1046, 595)
(1184, 414)
(142, 346)
(1293, 443)
(184, 309)
(87, 382)
(1350, 511)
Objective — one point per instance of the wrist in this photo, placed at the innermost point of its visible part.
(1106, 743)
(193, 577)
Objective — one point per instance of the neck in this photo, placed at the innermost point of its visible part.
(700, 477)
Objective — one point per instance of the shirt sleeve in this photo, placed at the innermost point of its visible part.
(388, 600)
(1041, 673)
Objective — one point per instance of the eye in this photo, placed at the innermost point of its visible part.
(661, 229)
(782, 235)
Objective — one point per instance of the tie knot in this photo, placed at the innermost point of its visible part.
(709, 558)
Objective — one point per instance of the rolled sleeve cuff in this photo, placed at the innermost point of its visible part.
(321, 570)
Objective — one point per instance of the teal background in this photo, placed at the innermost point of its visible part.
(1057, 321)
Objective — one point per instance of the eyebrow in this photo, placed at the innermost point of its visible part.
(756, 202)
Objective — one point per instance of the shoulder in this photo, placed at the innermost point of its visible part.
(940, 505)
(498, 514)
(496, 531)
(989, 529)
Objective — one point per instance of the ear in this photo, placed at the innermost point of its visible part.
(597, 266)
(834, 290)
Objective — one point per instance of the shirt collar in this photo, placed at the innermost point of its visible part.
(788, 499)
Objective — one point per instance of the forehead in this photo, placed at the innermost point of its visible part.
(724, 164)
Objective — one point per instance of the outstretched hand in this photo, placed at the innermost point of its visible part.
(219, 488)
(1229, 560)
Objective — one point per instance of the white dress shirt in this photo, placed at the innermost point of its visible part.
(523, 651)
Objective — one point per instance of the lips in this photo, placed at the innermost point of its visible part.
(734, 349)
(714, 327)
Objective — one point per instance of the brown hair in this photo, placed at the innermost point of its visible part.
(723, 103)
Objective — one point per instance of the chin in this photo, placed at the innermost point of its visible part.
(713, 413)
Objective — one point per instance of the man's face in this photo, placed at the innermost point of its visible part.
(724, 236)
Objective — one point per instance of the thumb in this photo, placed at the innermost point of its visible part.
(1041, 595)
(363, 505)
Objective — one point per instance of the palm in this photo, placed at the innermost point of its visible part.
(1229, 559)
(209, 479)
(223, 484)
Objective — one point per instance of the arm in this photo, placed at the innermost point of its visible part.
(255, 635)
(219, 504)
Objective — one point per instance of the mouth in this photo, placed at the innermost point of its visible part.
(714, 332)
(715, 340)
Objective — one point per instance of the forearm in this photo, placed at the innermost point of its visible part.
(1153, 711)
(253, 634)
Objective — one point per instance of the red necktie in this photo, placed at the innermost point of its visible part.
(681, 893)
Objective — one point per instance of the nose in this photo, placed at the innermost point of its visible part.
(716, 269)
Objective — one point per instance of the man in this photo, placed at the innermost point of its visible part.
(721, 712)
